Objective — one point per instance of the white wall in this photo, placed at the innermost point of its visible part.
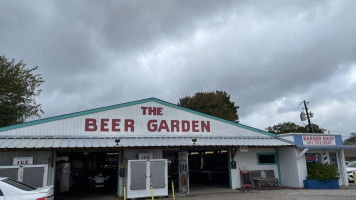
(302, 167)
(75, 126)
(342, 168)
(291, 166)
(248, 160)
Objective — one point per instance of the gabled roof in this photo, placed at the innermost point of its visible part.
(96, 110)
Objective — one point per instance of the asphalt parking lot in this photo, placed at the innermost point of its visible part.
(344, 193)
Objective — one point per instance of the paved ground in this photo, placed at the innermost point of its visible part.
(287, 194)
(344, 193)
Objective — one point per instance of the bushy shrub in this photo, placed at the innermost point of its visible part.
(321, 172)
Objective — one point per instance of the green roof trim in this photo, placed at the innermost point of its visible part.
(96, 110)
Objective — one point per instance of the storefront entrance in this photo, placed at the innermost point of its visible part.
(86, 172)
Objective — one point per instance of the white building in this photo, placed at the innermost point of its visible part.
(153, 141)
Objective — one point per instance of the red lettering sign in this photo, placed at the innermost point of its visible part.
(104, 125)
(185, 126)
(175, 125)
(163, 125)
(90, 125)
(318, 140)
(205, 126)
(152, 110)
(115, 125)
(129, 124)
(195, 126)
(153, 125)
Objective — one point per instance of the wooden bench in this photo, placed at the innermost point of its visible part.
(264, 178)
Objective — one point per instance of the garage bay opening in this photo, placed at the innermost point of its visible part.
(79, 173)
(207, 168)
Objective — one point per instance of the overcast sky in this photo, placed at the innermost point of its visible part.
(268, 55)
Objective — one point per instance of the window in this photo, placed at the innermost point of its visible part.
(18, 185)
(266, 158)
(332, 156)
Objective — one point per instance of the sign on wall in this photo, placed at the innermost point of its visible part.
(243, 148)
(312, 157)
(319, 140)
(22, 161)
(152, 125)
(145, 156)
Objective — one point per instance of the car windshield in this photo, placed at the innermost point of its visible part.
(353, 164)
(18, 185)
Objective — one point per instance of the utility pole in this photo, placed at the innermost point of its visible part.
(306, 110)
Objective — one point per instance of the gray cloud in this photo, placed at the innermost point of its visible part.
(268, 55)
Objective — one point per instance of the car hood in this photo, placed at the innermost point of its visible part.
(350, 168)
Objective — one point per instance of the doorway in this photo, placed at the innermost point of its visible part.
(86, 172)
(207, 168)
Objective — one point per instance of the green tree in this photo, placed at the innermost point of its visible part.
(290, 127)
(19, 87)
(351, 140)
(216, 103)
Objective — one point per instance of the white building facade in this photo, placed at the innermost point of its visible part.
(155, 137)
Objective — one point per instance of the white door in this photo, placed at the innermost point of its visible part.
(183, 172)
(12, 172)
(143, 173)
(137, 185)
(33, 175)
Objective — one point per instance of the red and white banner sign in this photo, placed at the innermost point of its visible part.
(319, 140)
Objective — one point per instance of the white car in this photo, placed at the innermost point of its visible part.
(350, 168)
(11, 190)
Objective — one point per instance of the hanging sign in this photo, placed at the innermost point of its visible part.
(22, 161)
(319, 140)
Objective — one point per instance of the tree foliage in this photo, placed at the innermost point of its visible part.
(19, 87)
(290, 127)
(216, 103)
(351, 140)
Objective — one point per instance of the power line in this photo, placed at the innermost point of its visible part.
(349, 132)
